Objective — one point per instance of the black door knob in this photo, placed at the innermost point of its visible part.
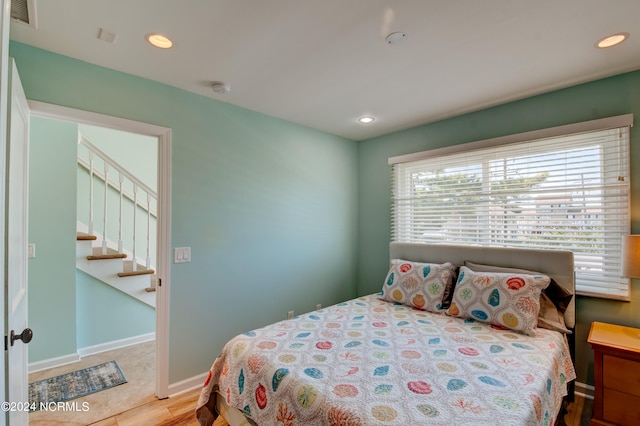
(25, 336)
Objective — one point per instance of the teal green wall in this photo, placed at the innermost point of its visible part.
(604, 98)
(268, 208)
(52, 228)
(105, 314)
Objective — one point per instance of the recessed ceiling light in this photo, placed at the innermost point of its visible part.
(158, 40)
(366, 120)
(612, 40)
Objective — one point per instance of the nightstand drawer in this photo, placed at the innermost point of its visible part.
(621, 408)
(621, 374)
(616, 371)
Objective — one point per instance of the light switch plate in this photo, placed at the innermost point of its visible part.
(181, 254)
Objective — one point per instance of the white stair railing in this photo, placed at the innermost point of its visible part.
(135, 221)
(121, 190)
(91, 170)
(118, 186)
(148, 262)
(106, 205)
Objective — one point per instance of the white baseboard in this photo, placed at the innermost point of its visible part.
(89, 350)
(187, 385)
(53, 362)
(116, 344)
(584, 390)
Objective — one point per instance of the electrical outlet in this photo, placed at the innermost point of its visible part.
(289, 314)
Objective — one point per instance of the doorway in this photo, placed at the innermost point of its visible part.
(163, 258)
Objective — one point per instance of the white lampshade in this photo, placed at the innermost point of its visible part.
(631, 256)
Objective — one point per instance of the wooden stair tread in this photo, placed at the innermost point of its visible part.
(107, 256)
(81, 236)
(134, 273)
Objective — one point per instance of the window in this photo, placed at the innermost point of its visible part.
(566, 191)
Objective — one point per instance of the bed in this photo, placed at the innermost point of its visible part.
(457, 335)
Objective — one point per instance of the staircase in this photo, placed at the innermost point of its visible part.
(110, 256)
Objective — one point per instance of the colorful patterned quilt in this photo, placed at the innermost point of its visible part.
(372, 362)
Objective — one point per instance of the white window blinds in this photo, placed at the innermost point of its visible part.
(562, 192)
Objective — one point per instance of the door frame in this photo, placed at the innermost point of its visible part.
(5, 12)
(163, 134)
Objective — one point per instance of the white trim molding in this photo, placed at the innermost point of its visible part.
(163, 260)
(59, 361)
(584, 390)
(5, 14)
(187, 385)
(46, 364)
(116, 344)
(58, 112)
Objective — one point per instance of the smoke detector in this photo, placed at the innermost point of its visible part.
(220, 87)
(395, 38)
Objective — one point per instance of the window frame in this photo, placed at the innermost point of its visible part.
(622, 121)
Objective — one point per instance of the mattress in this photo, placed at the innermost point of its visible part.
(368, 361)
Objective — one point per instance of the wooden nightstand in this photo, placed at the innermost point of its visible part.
(616, 371)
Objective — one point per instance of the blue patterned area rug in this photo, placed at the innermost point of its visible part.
(76, 384)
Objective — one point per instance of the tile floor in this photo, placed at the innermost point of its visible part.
(138, 365)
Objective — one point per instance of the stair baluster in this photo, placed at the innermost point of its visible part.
(148, 264)
(90, 231)
(134, 266)
(104, 218)
(120, 243)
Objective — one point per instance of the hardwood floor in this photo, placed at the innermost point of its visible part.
(579, 412)
(180, 410)
(175, 411)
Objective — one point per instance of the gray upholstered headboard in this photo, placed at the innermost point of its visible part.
(557, 264)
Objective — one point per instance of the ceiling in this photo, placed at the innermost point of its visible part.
(325, 63)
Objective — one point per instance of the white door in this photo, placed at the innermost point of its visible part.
(17, 201)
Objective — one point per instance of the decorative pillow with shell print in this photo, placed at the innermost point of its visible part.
(420, 285)
(504, 299)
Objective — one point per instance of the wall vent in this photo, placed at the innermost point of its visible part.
(24, 11)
